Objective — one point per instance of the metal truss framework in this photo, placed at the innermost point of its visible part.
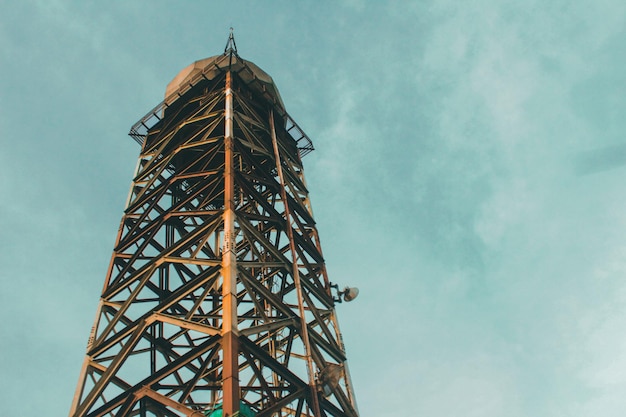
(217, 293)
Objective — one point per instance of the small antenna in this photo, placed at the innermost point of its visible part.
(231, 46)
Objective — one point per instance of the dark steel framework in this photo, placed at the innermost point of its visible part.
(217, 294)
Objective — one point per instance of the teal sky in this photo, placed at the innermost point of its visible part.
(468, 177)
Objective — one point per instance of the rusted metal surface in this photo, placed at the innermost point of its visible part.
(216, 293)
(230, 385)
(294, 266)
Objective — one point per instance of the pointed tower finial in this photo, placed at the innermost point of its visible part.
(231, 46)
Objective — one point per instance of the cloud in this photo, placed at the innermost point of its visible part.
(446, 184)
(476, 385)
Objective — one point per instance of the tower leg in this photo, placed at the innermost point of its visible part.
(230, 376)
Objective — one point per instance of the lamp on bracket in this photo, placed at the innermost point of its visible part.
(328, 378)
(347, 294)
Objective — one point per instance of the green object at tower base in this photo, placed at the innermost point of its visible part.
(244, 411)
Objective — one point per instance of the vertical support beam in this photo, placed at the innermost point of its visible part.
(346, 371)
(304, 329)
(121, 228)
(230, 345)
(80, 387)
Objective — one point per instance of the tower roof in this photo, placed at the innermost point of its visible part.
(211, 67)
(208, 69)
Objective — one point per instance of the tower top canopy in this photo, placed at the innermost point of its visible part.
(209, 68)
(247, 74)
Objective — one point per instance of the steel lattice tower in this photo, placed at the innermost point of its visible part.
(216, 301)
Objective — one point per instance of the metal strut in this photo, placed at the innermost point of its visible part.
(296, 273)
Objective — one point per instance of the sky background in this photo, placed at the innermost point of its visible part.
(468, 177)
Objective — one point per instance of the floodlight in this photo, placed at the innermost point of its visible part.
(350, 293)
(329, 377)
